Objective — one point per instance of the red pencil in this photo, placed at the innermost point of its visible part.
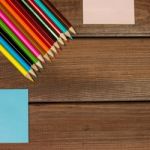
(49, 22)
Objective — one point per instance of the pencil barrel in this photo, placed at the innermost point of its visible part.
(32, 32)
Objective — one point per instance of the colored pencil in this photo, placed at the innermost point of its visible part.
(42, 21)
(14, 14)
(48, 37)
(59, 16)
(21, 36)
(15, 63)
(35, 24)
(18, 44)
(52, 17)
(11, 50)
(33, 27)
(18, 50)
(49, 22)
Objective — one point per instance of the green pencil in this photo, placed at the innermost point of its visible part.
(25, 52)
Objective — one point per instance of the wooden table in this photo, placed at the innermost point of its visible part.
(96, 95)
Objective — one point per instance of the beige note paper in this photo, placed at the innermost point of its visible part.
(108, 12)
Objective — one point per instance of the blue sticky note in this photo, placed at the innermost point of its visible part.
(13, 116)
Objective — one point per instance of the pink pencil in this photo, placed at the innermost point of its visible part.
(21, 36)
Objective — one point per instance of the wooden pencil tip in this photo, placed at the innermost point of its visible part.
(32, 73)
(54, 50)
(34, 67)
(39, 64)
(68, 34)
(63, 37)
(56, 45)
(29, 77)
(61, 41)
(50, 53)
(71, 29)
(47, 57)
(41, 58)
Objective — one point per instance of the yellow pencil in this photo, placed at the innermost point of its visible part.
(15, 63)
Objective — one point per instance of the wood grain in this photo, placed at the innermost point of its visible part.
(97, 74)
(91, 127)
(103, 69)
(72, 9)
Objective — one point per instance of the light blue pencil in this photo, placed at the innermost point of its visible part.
(52, 17)
(16, 56)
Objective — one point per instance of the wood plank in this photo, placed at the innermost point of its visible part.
(89, 70)
(72, 9)
(124, 126)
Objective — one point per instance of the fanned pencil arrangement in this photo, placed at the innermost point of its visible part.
(31, 33)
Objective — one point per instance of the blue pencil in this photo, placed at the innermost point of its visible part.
(15, 55)
(52, 17)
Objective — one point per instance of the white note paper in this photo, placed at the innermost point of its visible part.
(108, 12)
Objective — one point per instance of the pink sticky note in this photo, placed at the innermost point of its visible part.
(108, 12)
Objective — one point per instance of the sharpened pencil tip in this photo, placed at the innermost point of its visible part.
(63, 37)
(39, 64)
(56, 45)
(54, 50)
(31, 79)
(47, 57)
(61, 41)
(32, 73)
(34, 67)
(28, 76)
(41, 58)
(50, 53)
(68, 34)
(71, 29)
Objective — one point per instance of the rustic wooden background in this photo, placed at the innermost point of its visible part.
(96, 94)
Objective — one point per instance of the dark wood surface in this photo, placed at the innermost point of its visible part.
(72, 9)
(90, 70)
(92, 127)
(96, 94)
